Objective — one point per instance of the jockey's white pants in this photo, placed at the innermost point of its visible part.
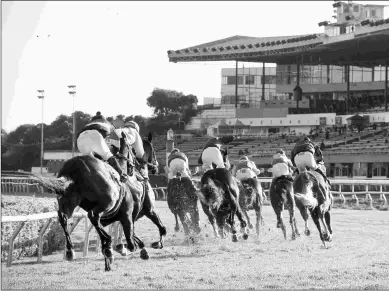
(280, 169)
(91, 141)
(245, 173)
(212, 155)
(305, 159)
(133, 139)
(178, 166)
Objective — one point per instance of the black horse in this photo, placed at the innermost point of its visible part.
(182, 200)
(88, 182)
(141, 190)
(282, 195)
(313, 192)
(219, 199)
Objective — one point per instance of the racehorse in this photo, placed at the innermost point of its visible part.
(219, 199)
(282, 195)
(313, 192)
(182, 200)
(251, 197)
(141, 190)
(88, 182)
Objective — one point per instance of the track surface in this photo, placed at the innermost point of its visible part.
(358, 258)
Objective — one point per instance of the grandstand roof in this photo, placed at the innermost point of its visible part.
(367, 46)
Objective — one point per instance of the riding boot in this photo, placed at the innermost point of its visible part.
(324, 176)
(115, 164)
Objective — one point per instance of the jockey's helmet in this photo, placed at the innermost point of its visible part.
(132, 124)
(174, 151)
(99, 118)
(243, 158)
(280, 151)
(226, 139)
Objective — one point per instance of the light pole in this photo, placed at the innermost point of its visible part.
(72, 92)
(41, 95)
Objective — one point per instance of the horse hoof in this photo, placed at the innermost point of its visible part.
(70, 254)
(121, 250)
(144, 255)
(327, 237)
(245, 236)
(157, 245)
(307, 232)
(293, 236)
(251, 226)
(177, 229)
(197, 230)
(234, 238)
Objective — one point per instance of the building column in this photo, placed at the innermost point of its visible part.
(298, 85)
(386, 86)
(263, 81)
(348, 86)
(236, 84)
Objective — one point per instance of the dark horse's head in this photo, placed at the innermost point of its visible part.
(149, 156)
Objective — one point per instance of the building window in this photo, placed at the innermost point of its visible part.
(249, 80)
(356, 8)
(346, 9)
(379, 170)
(231, 80)
(373, 14)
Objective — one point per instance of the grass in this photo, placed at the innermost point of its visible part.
(356, 259)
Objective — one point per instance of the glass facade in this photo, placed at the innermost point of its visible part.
(323, 74)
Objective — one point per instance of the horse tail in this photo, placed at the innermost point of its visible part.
(55, 186)
(211, 194)
(306, 197)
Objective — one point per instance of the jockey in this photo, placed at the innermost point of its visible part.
(178, 163)
(133, 139)
(282, 166)
(306, 154)
(92, 140)
(245, 169)
(213, 154)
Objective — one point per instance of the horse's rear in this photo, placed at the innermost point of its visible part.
(220, 200)
(251, 197)
(182, 201)
(313, 192)
(281, 195)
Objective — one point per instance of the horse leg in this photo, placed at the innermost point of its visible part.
(231, 222)
(154, 217)
(184, 221)
(315, 217)
(195, 217)
(144, 255)
(211, 218)
(248, 219)
(106, 240)
(220, 223)
(327, 217)
(305, 215)
(327, 235)
(128, 229)
(177, 227)
(292, 221)
(63, 221)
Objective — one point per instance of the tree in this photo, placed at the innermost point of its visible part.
(170, 106)
(16, 136)
(120, 117)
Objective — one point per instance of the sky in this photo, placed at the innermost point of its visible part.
(116, 52)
